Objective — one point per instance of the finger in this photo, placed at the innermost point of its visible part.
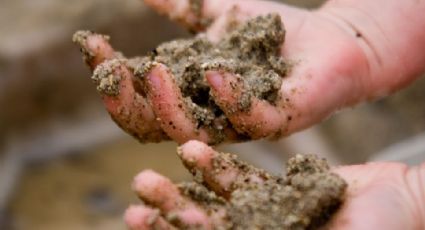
(221, 172)
(160, 192)
(114, 81)
(248, 115)
(95, 47)
(141, 217)
(199, 14)
(128, 109)
(194, 14)
(169, 106)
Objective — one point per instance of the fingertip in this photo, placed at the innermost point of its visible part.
(141, 217)
(156, 190)
(156, 72)
(215, 79)
(187, 12)
(137, 217)
(98, 42)
(248, 114)
(218, 170)
(95, 47)
(196, 154)
(194, 217)
(148, 180)
(171, 109)
(226, 90)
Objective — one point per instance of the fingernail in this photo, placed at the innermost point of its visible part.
(215, 79)
(153, 78)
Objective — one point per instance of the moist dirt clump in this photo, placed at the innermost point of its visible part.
(106, 79)
(251, 51)
(305, 198)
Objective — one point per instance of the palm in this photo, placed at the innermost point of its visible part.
(379, 196)
(329, 67)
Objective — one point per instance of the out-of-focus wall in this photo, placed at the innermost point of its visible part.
(49, 107)
(42, 74)
(64, 164)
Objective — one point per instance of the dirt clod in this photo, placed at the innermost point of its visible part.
(305, 198)
(106, 79)
(251, 51)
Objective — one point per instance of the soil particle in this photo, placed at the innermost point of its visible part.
(251, 51)
(106, 79)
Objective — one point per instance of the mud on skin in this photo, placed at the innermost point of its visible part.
(251, 50)
(306, 198)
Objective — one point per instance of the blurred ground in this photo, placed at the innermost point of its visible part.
(63, 163)
(89, 191)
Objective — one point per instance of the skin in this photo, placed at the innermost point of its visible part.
(346, 52)
(379, 196)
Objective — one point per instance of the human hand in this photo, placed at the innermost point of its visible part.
(379, 196)
(338, 61)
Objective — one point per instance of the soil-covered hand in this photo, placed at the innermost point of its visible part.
(341, 54)
(239, 196)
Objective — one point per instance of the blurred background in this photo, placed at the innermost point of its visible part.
(65, 165)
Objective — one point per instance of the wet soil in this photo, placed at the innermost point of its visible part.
(305, 198)
(250, 50)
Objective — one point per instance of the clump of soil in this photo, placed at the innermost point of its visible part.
(106, 80)
(252, 51)
(306, 198)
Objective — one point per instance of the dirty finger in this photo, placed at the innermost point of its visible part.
(114, 81)
(95, 47)
(221, 172)
(160, 192)
(248, 114)
(141, 217)
(169, 106)
(194, 14)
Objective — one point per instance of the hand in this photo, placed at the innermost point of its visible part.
(344, 53)
(379, 195)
